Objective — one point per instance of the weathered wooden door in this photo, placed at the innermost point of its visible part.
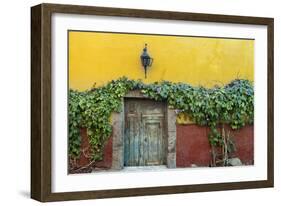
(144, 132)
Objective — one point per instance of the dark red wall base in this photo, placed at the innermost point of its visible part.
(244, 141)
(106, 162)
(85, 153)
(192, 147)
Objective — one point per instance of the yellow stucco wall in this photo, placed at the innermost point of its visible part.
(96, 57)
(101, 57)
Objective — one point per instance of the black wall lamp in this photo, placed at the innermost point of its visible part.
(146, 60)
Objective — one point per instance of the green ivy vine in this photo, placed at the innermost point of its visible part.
(231, 104)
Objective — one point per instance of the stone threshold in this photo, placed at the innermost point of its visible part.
(134, 169)
(144, 168)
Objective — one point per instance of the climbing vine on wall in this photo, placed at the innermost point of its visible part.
(231, 104)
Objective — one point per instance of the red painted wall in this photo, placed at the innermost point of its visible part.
(85, 152)
(244, 141)
(84, 159)
(107, 156)
(193, 145)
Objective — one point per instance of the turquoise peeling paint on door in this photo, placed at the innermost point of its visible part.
(144, 132)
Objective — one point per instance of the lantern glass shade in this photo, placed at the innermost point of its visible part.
(146, 61)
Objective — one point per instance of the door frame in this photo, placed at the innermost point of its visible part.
(118, 133)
